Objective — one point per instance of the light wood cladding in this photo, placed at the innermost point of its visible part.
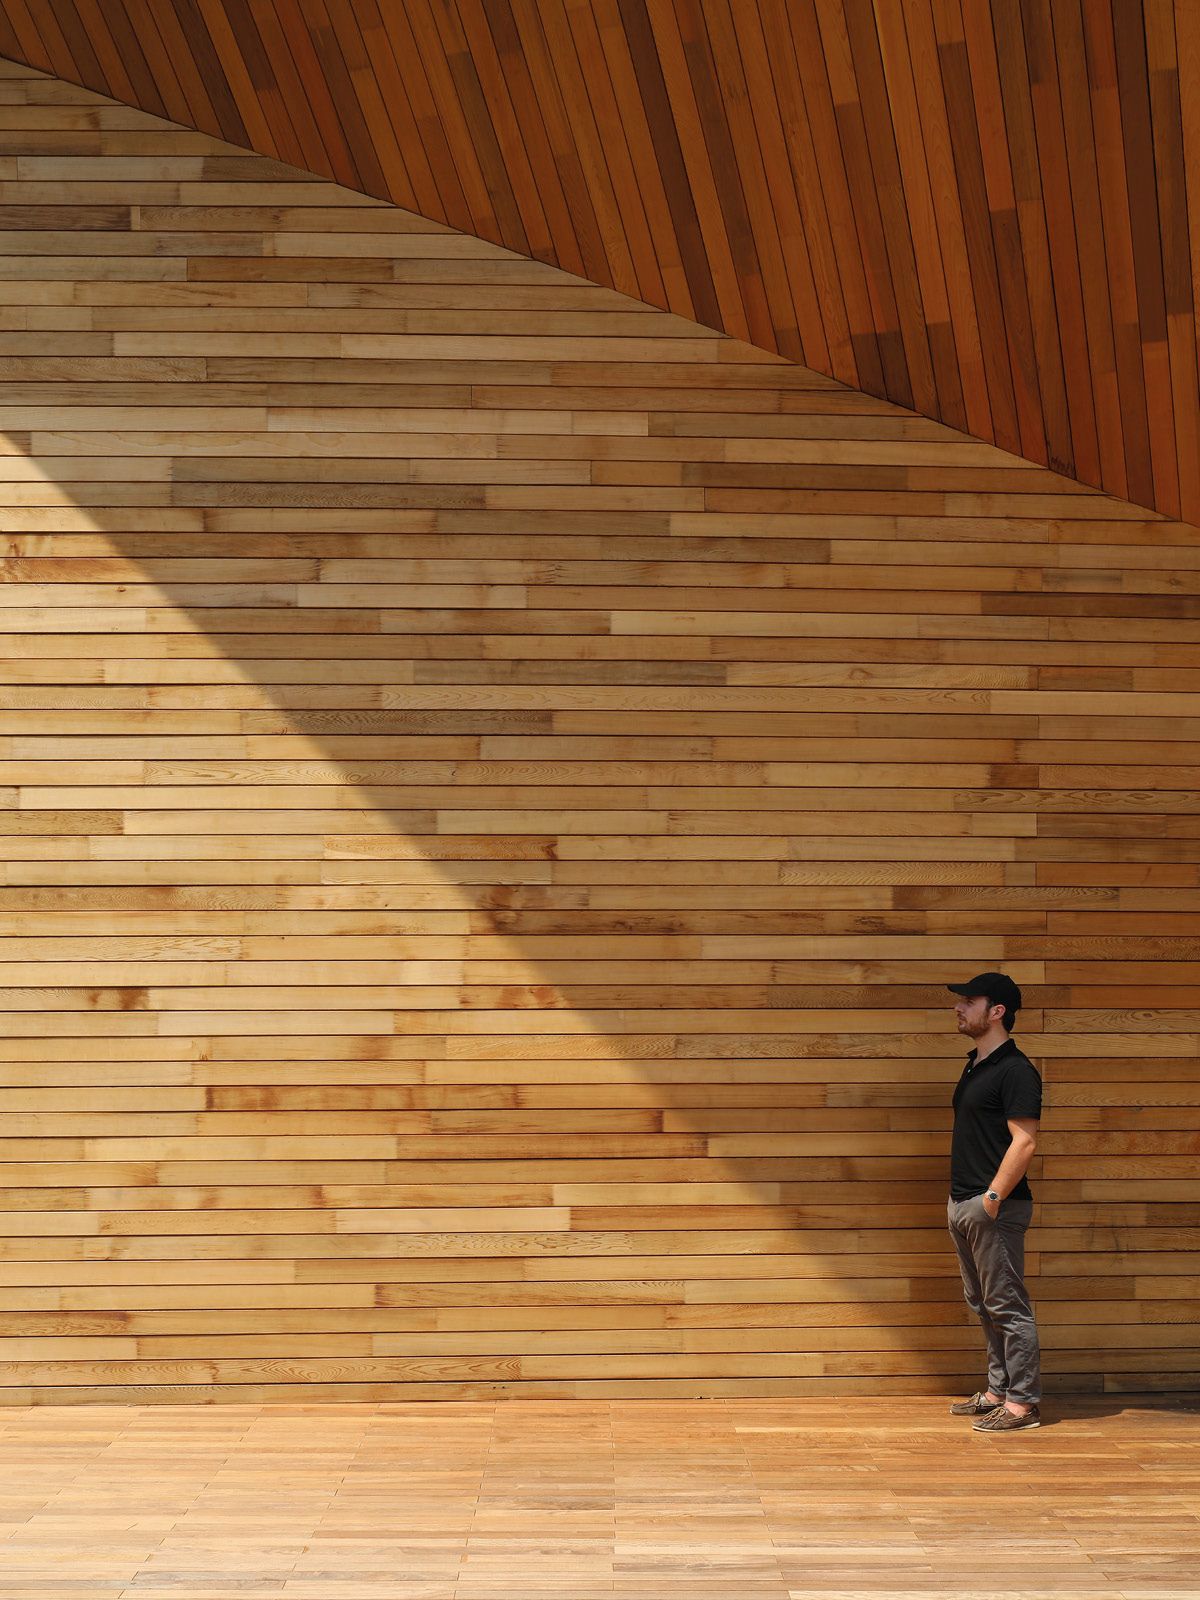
(985, 210)
(494, 780)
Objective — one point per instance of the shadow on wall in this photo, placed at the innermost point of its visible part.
(500, 779)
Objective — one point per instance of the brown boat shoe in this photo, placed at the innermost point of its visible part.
(1002, 1420)
(976, 1406)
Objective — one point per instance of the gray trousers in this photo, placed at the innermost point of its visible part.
(991, 1258)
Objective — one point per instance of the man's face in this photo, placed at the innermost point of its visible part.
(974, 1015)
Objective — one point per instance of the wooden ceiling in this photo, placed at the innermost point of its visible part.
(975, 208)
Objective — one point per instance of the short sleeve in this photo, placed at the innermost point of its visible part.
(1021, 1091)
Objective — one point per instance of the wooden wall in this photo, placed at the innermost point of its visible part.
(981, 209)
(493, 782)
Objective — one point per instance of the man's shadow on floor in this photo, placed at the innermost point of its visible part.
(1066, 1408)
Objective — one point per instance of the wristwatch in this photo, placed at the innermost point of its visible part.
(992, 1195)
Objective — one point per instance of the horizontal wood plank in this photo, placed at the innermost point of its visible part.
(494, 781)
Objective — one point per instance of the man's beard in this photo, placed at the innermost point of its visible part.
(973, 1030)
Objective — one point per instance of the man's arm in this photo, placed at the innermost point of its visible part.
(1016, 1160)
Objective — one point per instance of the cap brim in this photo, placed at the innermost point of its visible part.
(963, 989)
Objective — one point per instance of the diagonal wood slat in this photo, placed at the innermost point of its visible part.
(979, 209)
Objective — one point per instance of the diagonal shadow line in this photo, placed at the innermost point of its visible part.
(401, 747)
(510, 895)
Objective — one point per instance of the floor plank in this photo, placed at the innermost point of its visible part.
(783, 1500)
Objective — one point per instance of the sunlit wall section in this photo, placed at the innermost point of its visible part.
(494, 780)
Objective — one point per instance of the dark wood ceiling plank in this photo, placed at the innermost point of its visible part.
(1045, 354)
(1187, 48)
(1114, 202)
(177, 48)
(1167, 127)
(78, 47)
(339, 159)
(432, 133)
(1070, 56)
(168, 80)
(937, 142)
(760, 112)
(580, 111)
(120, 55)
(843, 86)
(977, 224)
(356, 131)
(736, 161)
(463, 140)
(420, 181)
(826, 171)
(233, 45)
(12, 47)
(838, 329)
(285, 104)
(665, 137)
(212, 71)
(474, 38)
(397, 157)
(272, 73)
(582, 202)
(567, 249)
(672, 52)
(648, 200)
(596, 78)
(494, 169)
(913, 178)
(582, 172)
(1050, 170)
(895, 217)
(1000, 189)
(1133, 91)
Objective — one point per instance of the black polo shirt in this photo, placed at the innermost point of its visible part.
(1004, 1084)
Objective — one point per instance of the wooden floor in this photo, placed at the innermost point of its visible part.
(728, 1499)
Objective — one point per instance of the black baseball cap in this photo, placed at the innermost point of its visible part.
(996, 986)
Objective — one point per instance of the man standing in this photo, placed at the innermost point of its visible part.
(997, 1105)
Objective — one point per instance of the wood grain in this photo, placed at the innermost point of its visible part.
(726, 1498)
(979, 209)
(494, 780)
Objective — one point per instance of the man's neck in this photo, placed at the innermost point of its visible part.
(991, 1041)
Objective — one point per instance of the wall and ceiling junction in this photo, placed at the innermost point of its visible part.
(983, 210)
(494, 779)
